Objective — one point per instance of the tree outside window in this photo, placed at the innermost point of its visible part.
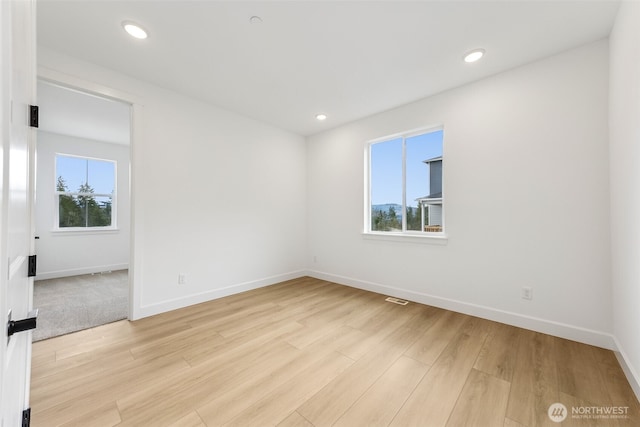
(85, 191)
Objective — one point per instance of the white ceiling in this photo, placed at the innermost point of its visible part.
(348, 59)
(69, 112)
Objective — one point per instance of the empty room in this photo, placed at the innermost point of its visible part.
(338, 213)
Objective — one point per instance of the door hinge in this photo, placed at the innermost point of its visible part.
(34, 116)
(32, 265)
(26, 417)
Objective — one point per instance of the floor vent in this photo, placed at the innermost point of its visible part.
(397, 301)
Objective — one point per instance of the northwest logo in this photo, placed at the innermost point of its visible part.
(557, 412)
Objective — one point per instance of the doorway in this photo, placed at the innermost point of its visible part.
(82, 210)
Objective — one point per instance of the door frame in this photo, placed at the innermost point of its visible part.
(135, 215)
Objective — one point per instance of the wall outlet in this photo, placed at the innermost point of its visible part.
(527, 293)
(182, 279)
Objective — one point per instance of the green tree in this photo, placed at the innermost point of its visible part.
(410, 218)
(69, 212)
(95, 214)
(393, 222)
(414, 218)
(378, 221)
(82, 210)
(385, 220)
(393, 216)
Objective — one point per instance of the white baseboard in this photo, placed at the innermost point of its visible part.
(80, 271)
(629, 371)
(174, 304)
(562, 330)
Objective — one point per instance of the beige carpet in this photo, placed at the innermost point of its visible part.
(74, 303)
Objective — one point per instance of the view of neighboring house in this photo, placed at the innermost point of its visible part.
(432, 204)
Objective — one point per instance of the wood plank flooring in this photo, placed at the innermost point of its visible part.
(309, 353)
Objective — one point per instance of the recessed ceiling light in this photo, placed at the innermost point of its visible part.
(321, 117)
(474, 55)
(134, 30)
(255, 20)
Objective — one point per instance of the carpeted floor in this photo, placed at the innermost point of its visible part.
(71, 304)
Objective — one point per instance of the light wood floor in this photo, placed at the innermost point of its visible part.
(312, 353)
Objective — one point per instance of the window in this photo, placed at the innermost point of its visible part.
(405, 183)
(85, 192)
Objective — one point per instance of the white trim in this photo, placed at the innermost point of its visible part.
(366, 209)
(135, 125)
(113, 195)
(403, 136)
(428, 201)
(80, 271)
(416, 237)
(136, 212)
(404, 185)
(185, 301)
(629, 371)
(81, 157)
(550, 327)
(83, 231)
(433, 159)
(76, 83)
(408, 134)
(76, 193)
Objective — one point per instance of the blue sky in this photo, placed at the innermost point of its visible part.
(386, 168)
(76, 170)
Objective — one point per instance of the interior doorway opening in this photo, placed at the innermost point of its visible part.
(82, 210)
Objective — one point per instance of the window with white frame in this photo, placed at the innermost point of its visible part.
(405, 183)
(85, 192)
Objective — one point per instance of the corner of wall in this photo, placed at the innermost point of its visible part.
(562, 330)
(624, 128)
(188, 300)
(629, 371)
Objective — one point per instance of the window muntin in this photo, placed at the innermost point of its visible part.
(405, 183)
(85, 192)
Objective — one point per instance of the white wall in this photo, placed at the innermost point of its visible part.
(624, 126)
(216, 196)
(63, 253)
(230, 202)
(210, 186)
(517, 146)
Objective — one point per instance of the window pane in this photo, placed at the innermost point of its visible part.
(98, 211)
(424, 181)
(386, 186)
(101, 176)
(70, 212)
(71, 173)
(83, 175)
(75, 172)
(83, 211)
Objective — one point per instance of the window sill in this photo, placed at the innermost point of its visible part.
(83, 232)
(429, 239)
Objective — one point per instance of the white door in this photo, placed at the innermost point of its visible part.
(17, 71)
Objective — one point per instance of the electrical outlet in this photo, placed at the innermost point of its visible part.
(182, 279)
(527, 293)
